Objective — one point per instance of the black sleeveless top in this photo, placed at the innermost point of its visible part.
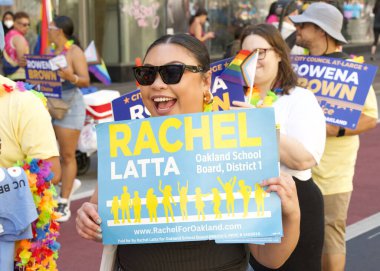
(184, 256)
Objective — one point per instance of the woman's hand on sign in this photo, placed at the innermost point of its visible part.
(66, 73)
(240, 105)
(88, 222)
(285, 187)
(22, 61)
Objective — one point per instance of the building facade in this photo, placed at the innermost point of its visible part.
(123, 29)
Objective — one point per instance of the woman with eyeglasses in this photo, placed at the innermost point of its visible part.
(67, 130)
(16, 47)
(302, 136)
(177, 83)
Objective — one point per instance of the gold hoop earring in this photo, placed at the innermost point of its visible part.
(208, 99)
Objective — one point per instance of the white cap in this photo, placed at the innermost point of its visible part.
(324, 15)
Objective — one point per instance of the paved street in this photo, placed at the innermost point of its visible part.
(363, 234)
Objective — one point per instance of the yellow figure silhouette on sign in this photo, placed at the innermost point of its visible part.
(259, 198)
(182, 191)
(217, 200)
(126, 204)
(245, 191)
(166, 201)
(230, 199)
(199, 204)
(151, 205)
(136, 202)
(115, 210)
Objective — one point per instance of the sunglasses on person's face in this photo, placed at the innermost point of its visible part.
(170, 74)
(24, 24)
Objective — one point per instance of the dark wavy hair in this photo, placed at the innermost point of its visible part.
(8, 12)
(192, 44)
(286, 77)
(66, 24)
(200, 12)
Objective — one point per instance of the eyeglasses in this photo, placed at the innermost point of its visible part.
(263, 52)
(170, 74)
(24, 24)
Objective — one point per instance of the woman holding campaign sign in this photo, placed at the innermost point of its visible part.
(178, 83)
(302, 135)
(72, 68)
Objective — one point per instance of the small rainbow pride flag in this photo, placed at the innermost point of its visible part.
(233, 72)
(100, 71)
(96, 64)
(248, 68)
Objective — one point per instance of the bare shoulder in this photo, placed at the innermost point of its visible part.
(75, 50)
(18, 40)
(75, 53)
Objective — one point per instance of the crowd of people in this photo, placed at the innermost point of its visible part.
(74, 76)
(317, 159)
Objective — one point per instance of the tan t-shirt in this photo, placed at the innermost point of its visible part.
(335, 172)
(25, 127)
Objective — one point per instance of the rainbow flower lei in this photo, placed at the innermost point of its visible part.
(40, 252)
(66, 47)
(267, 101)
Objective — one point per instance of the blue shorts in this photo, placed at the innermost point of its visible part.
(75, 116)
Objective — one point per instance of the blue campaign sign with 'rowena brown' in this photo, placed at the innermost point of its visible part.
(39, 73)
(189, 177)
(341, 86)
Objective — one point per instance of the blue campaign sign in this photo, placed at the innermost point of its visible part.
(340, 86)
(39, 73)
(130, 105)
(189, 177)
(225, 92)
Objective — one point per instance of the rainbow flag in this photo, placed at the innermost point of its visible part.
(46, 18)
(100, 72)
(233, 72)
(96, 64)
(248, 68)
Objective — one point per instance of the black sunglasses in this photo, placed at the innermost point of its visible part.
(170, 74)
(24, 24)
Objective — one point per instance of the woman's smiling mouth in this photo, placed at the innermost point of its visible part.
(163, 104)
